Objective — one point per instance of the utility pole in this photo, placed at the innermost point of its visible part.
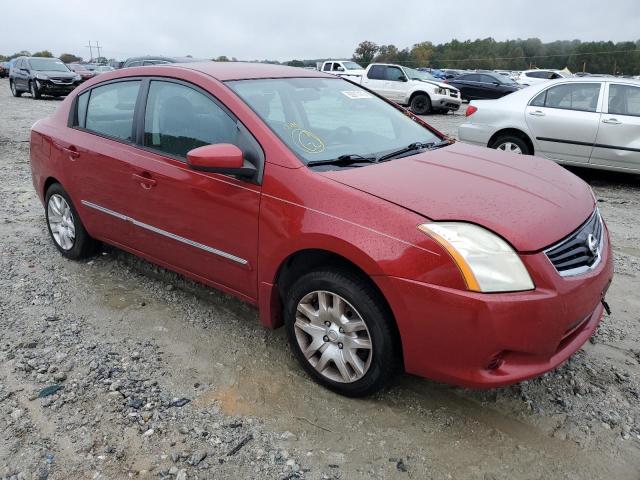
(90, 47)
(98, 47)
(584, 67)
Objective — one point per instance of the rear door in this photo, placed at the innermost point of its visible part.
(205, 224)
(564, 120)
(618, 140)
(376, 80)
(487, 87)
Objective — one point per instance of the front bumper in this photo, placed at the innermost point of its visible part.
(445, 101)
(481, 340)
(47, 87)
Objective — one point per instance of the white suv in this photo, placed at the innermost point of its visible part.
(533, 77)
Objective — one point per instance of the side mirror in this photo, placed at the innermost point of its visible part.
(220, 158)
(403, 79)
(497, 84)
(340, 69)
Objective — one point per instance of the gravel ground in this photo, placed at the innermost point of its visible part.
(115, 368)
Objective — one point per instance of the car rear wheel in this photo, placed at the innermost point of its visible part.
(33, 88)
(421, 104)
(341, 332)
(511, 144)
(66, 230)
(14, 91)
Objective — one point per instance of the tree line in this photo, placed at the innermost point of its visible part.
(487, 53)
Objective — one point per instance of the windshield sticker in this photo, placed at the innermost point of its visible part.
(308, 141)
(357, 94)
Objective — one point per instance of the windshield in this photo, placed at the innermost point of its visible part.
(504, 79)
(351, 66)
(48, 65)
(418, 75)
(325, 118)
(77, 68)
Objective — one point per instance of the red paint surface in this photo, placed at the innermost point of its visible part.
(366, 215)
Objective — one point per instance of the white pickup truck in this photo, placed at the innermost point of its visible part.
(342, 68)
(406, 86)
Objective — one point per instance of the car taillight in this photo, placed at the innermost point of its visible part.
(470, 111)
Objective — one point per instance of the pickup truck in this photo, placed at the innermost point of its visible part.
(342, 68)
(409, 87)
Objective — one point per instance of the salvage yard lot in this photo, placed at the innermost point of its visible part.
(128, 341)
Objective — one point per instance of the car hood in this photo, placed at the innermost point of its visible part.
(437, 84)
(56, 74)
(529, 201)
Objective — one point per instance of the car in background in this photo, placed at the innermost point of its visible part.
(82, 70)
(533, 77)
(4, 69)
(342, 68)
(156, 60)
(420, 91)
(590, 122)
(42, 76)
(483, 85)
(376, 241)
(103, 68)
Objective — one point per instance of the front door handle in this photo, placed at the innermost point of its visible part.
(612, 121)
(144, 179)
(537, 113)
(71, 151)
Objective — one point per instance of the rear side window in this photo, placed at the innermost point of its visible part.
(110, 109)
(81, 105)
(539, 100)
(327, 67)
(376, 72)
(179, 118)
(576, 96)
(624, 100)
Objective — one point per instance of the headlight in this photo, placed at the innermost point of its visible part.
(77, 77)
(41, 76)
(441, 91)
(486, 261)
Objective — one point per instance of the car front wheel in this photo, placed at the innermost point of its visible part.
(341, 332)
(66, 230)
(511, 144)
(33, 88)
(421, 104)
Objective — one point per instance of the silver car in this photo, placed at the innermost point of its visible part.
(588, 122)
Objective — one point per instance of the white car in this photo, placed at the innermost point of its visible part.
(533, 77)
(589, 122)
(342, 68)
(422, 92)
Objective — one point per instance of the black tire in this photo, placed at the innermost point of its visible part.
(34, 90)
(366, 300)
(421, 104)
(83, 245)
(14, 90)
(503, 140)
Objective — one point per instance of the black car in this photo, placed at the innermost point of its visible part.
(156, 60)
(42, 76)
(483, 85)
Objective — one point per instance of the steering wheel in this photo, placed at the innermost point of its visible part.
(340, 135)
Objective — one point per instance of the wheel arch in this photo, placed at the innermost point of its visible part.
(511, 132)
(418, 92)
(47, 183)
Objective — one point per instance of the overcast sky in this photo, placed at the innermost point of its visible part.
(284, 29)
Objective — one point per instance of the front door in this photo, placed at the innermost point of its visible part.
(564, 121)
(202, 223)
(396, 85)
(618, 140)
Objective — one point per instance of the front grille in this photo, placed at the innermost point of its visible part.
(454, 93)
(61, 80)
(581, 251)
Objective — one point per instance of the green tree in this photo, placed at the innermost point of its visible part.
(43, 53)
(295, 63)
(70, 58)
(222, 58)
(365, 52)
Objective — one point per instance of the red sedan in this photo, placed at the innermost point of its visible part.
(377, 242)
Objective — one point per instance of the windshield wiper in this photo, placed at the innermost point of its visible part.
(413, 147)
(344, 160)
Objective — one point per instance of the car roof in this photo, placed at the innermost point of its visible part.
(245, 70)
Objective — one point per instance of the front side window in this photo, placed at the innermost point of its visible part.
(110, 109)
(576, 96)
(179, 118)
(325, 118)
(624, 100)
(351, 66)
(474, 77)
(395, 74)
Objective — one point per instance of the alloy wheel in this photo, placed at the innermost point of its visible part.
(61, 222)
(510, 147)
(333, 337)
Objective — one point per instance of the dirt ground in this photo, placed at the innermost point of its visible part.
(153, 376)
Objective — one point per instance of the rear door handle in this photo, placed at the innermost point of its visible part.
(144, 179)
(612, 121)
(71, 151)
(537, 113)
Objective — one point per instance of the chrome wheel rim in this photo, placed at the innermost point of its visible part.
(333, 337)
(13, 88)
(61, 222)
(510, 147)
(33, 90)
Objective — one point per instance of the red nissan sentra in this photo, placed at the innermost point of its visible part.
(379, 243)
